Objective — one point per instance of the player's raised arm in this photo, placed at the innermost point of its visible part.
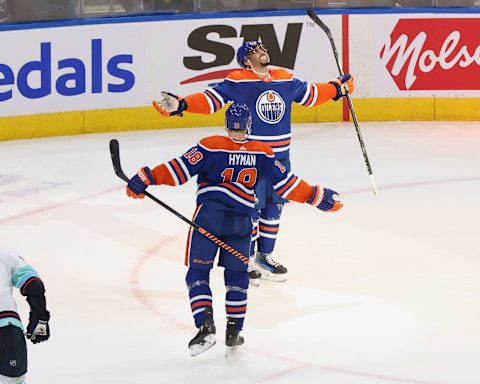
(207, 102)
(174, 172)
(293, 188)
(310, 95)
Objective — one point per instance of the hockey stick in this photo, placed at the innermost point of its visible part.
(321, 24)
(117, 167)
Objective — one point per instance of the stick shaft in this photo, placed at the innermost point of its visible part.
(324, 27)
(117, 167)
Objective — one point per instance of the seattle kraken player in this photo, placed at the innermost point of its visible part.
(227, 170)
(269, 94)
(14, 272)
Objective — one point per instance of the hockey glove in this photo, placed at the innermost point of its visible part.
(325, 199)
(171, 105)
(38, 329)
(139, 183)
(344, 85)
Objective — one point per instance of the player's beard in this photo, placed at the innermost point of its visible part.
(264, 60)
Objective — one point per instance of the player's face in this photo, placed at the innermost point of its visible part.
(259, 57)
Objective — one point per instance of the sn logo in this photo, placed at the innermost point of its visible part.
(224, 53)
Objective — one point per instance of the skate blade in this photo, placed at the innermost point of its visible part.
(196, 350)
(267, 275)
(278, 279)
(254, 282)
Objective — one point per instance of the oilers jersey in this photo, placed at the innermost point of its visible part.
(270, 102)
(228, 171)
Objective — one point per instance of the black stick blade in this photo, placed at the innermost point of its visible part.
(311, 13)
(115, 155)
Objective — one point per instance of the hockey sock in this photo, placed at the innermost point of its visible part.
(198, 283)
(268, 227)
(236, 283)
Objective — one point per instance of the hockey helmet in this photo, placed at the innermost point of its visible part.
(238, 118)
(245, 49)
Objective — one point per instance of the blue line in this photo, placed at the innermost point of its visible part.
(139, 18)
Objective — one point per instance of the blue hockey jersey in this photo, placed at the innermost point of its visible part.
(270, 102)
(228, 171)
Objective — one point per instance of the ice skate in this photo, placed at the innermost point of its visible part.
(270, 269)
(254, 275)
(233, 339)
(205, 338)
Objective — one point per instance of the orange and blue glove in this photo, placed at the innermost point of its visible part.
(344, 85)
(325, 199)
(170, 105)
(138, 184)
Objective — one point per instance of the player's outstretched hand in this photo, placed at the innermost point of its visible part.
(170, 105)
(344, 85)
(38, 329)
(138, 184)
(325, 199)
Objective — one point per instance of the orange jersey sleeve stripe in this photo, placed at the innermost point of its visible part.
(325, 92)
(179, 171)
(301, 193)
(288, 185)
(312, 93)
(214, 100)
(162, 175)
(197, 103)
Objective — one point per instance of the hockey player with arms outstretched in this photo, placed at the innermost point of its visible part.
(227, 170)
(269, 94)
(15, 272)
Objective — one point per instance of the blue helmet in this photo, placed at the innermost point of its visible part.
(245, 49)
(238, 117)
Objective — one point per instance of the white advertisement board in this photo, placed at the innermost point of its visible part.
(71, 68)
(127, 65)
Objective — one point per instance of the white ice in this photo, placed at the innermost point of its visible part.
(386, 290)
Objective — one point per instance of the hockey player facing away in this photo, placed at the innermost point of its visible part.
(228, 169)
(15, 272)
(269, 94)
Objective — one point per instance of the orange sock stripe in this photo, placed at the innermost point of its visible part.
(236, 309)
(201, 304)
(268, 229)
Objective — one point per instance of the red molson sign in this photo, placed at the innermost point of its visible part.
(434, 54)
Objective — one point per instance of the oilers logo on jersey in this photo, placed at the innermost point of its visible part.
(270, 107)
(270, 102)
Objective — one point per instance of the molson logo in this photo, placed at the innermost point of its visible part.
(434, 54)
(270, 107)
